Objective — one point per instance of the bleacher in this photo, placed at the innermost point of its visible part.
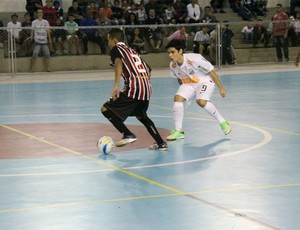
(245, 53)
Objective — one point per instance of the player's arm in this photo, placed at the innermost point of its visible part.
(118, 74)
(217, 81)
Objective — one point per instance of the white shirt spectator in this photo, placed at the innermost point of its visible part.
(193, 11)
(202, 38)
(14, 29)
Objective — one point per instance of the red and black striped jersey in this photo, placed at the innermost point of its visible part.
(135, 72)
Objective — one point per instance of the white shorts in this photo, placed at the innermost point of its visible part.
(200, 91)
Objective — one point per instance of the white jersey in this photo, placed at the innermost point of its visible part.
(195, 69)
(40, 31)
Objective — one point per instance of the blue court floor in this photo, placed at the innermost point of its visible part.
(52, 176)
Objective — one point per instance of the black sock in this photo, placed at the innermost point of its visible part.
(148, 123)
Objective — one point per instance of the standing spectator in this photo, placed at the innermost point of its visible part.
(75, 11)
(26, 42)
(41, 35)
(154, 33)
(297, 60)
(247, 33)
(294, 30)
(280, 33)
(260, 33)
(133, 99)
(226, 38)
(32, 6)
(59, 10)
(72, 28)
(14, 27)
(90, 34)
(49, 13)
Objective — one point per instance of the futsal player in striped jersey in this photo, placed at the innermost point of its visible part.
(197, 79)
(133, 99)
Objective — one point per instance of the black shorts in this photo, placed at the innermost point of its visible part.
(125, 107)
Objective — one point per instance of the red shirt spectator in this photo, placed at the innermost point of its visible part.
(49, 13)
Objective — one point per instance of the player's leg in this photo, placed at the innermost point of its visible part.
(184, 92)
(203, 95)
(117, 112)
(141, 115)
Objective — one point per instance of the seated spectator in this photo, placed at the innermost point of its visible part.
(95, 9)
(156, 5)
(294, 30)
(168, 14)
(142, 15)
(137, 42)
(83, 4)
(59, 37)
(90, 34)
(32, 6)
(260, 33)
(181, 11)
(179, 34)
(49, 13)
(132, 9)
(217, 4)
(117, 17)
(106, 9)
(75, 11)
(155, 35)
(72, 28)
(202, 43)
(247, 33)
(59, 10)
(103, 32)
(131, 20)
(193, 14)
(209, 17)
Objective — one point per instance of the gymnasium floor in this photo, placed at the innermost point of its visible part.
(52, 177)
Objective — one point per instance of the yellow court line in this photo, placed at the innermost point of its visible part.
(94, 159)
(72, 204)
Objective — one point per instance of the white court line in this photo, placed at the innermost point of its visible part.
(267, 137)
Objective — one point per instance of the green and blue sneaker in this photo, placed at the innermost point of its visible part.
(225, 127)
(175, 134)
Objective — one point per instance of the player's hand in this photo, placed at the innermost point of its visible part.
(115, 93)
(222, 92)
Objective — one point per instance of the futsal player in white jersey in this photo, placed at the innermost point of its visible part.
(197, 78)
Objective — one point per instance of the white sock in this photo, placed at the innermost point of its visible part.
(212, 110)
(178, 112)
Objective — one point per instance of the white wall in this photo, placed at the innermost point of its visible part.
(19, 5)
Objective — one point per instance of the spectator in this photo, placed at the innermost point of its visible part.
(14, 27)
(181, 11)
(193, 12)
(142, 15)
(59, 10)
(247, 33)
(90, 34)
(179, 34)
(131, 21)
(49, 13)
(137, 42)
(280, 33)
(83, 4)
(154, 33)
(156, 5)
(226, 38)
(75, 11)
(260, 33)
(208, 17)
(217, 4)
(26, 42)
(103, 32)
(294, 30)
(72, 28)
(59, 37)
(41, 35)
(202, 43)
(117, 16)
(32, 6)
(106, 9)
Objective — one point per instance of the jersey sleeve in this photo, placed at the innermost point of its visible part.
(114, 53)
(202, 64)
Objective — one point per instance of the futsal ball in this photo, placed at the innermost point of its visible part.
(105, 144)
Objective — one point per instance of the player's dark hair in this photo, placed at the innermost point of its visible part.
(177, 44)
(117, 34)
